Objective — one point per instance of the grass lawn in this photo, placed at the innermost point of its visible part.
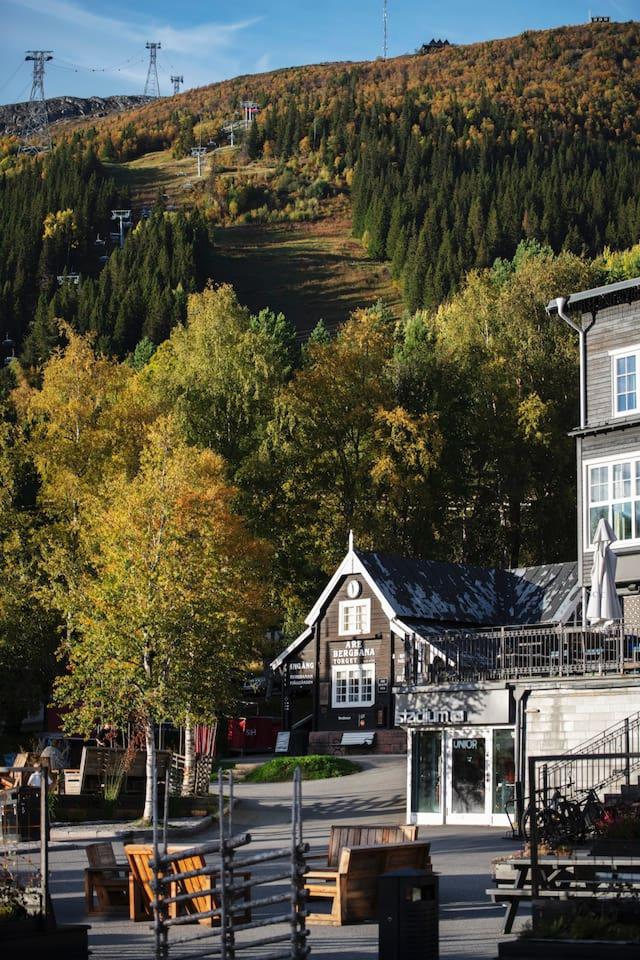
(314, 767)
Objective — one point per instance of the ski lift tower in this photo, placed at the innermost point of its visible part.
(231, 128)
(35, 134)
(198, 153)
(249, 110)
(124, 218)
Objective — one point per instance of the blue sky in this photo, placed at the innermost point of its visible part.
(99, 47)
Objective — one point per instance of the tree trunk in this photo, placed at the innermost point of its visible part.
(151, 747)
(189, 772)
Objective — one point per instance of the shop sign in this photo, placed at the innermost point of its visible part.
(405, 717)
(383, 684)
(301, 673)
(352, 653)
(446, 705)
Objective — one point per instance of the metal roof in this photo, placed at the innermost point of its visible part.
(431, 597)
(461, 593)
(625, 291)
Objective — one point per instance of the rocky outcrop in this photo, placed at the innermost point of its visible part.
(12, 115)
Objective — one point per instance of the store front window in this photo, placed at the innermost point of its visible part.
(503, 769)
(468, 756)
(426, 753)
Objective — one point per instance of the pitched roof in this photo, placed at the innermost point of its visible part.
(429, 596)
(431, 590)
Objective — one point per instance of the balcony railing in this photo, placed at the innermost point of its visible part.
(504, 653)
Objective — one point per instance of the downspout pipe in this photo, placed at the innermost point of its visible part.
(561, 303)
(582, 331)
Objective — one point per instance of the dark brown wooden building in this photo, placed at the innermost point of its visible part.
(339, 674)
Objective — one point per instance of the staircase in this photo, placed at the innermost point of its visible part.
(582, 771)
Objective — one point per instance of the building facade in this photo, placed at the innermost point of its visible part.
(368, 634)
(546, 688)
(474, 670)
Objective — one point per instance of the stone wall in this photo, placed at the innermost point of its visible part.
(386, 741)
(571, 713)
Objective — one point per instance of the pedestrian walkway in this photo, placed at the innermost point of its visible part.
(469, 922)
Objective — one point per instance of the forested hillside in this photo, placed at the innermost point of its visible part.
(452, 158)
(447, 160)
(55, 223)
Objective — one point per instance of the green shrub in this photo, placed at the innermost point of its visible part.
(314, 767)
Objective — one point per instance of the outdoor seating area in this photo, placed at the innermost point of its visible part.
(566, 878)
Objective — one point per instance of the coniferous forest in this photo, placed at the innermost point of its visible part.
(487, 178)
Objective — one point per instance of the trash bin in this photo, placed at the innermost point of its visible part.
(28, 813)
(408, 915)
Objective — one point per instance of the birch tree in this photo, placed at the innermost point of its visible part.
(173, 603)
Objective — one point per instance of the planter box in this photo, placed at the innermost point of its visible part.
(543, 949)
(503, 873)
(68, 942)
(615, 848)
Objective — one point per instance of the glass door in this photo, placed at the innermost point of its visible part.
(468, 753)
(426, 776)
(480, 775)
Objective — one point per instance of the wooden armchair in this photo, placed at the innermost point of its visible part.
(353, 887)
(105, 879)
(363, 835)
(201, 901)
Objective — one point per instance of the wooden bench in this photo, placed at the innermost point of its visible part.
(353, 887)
(105, 879)
(364, 835)
(357, 738)
(96, 762)
(201, 900)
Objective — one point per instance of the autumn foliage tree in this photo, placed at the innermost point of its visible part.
(172, 605)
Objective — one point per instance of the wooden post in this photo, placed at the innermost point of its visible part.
(533, 827)
(44, 839)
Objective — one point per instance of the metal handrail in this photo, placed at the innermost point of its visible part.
(533, 762)
(511, 652)
(585, 767)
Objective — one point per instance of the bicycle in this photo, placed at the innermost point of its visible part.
(566, 821)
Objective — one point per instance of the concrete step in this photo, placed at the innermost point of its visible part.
(630, 793)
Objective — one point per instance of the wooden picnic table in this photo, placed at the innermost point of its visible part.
(567, 877)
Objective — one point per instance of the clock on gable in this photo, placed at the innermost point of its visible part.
(354, 589)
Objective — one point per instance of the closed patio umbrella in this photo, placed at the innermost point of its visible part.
(604, 605)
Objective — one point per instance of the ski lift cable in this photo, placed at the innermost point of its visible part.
(13, 75)
(61, 63)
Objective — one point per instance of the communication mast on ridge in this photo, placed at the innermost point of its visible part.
(176, 81)
(35, 130)
(385, 27)
(152, 86)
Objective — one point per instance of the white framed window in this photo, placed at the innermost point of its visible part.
(612, 491)
(355, 617)
(625, 369)
(353, 686)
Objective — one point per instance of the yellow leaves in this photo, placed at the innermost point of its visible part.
(532, 414)
(410, 446)
(60, 224)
